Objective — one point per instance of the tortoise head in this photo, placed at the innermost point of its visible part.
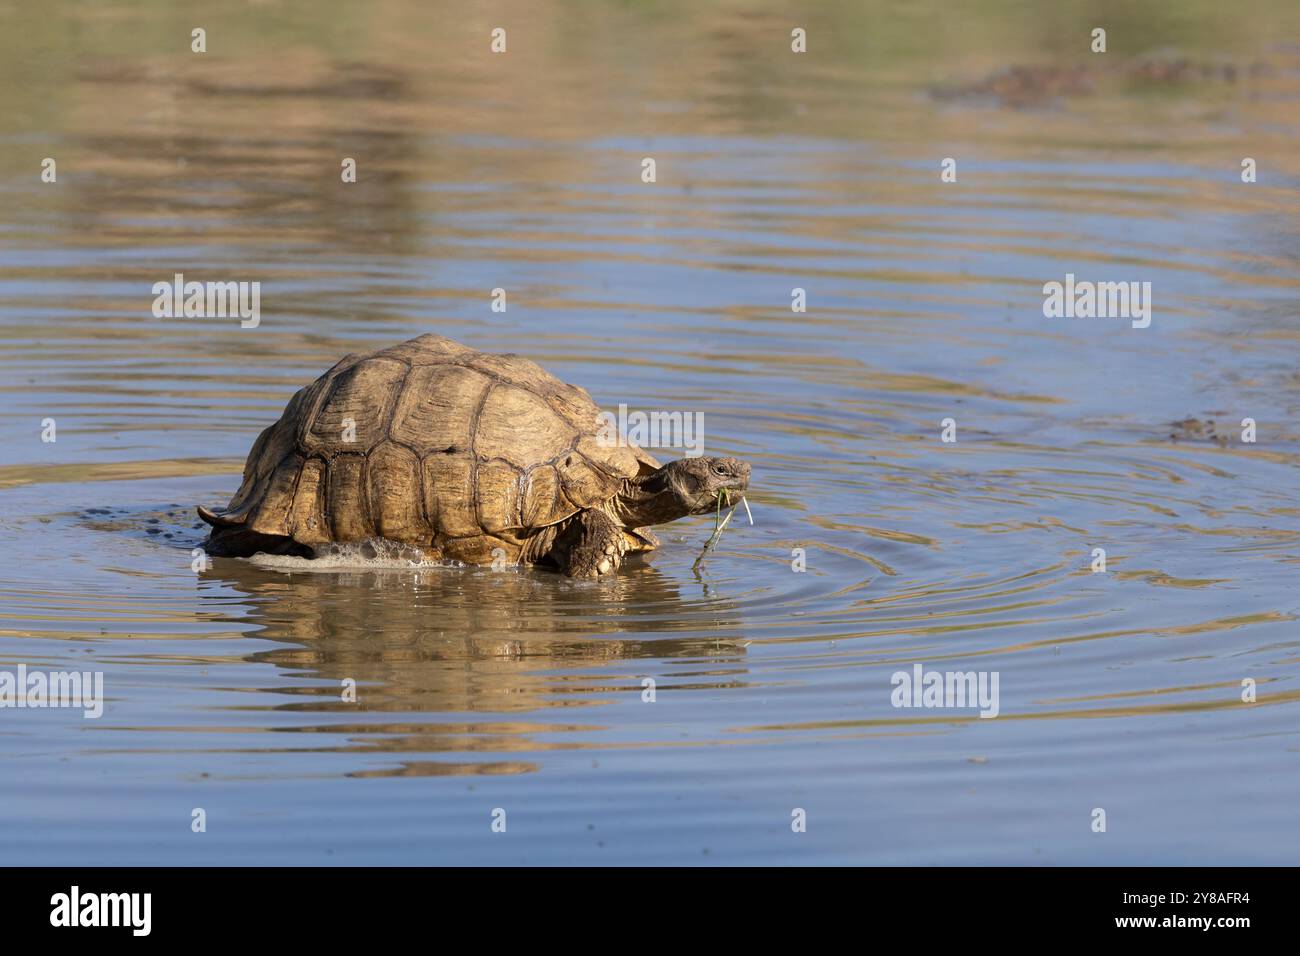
(697, 482)
(687, 486)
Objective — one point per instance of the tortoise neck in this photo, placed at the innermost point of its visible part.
(648, 500)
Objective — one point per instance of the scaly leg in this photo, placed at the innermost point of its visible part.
(599, 547)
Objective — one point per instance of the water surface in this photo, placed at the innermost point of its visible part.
(523, 691)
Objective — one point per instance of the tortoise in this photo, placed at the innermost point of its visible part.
(464, 455)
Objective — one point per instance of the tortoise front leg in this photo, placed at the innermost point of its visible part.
(599, 548)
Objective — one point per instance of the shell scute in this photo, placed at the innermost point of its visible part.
(355, 414)
(617, 460)
(517, 425)
(583, 484)
(349, 511)
(514, 370)
(449, 494)
(272, 512)
(429, 349)
(541, 503)
(393, 476)
(498, 496)
(437, 408)
(307, 521)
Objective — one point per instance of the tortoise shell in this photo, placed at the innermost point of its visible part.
(432, 444)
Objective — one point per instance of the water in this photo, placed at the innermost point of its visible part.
(524, 691)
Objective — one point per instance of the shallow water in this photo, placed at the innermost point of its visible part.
(523, 691)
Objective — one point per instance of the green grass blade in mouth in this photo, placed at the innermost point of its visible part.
(717, 534)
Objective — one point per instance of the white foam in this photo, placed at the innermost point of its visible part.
(372, 554)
